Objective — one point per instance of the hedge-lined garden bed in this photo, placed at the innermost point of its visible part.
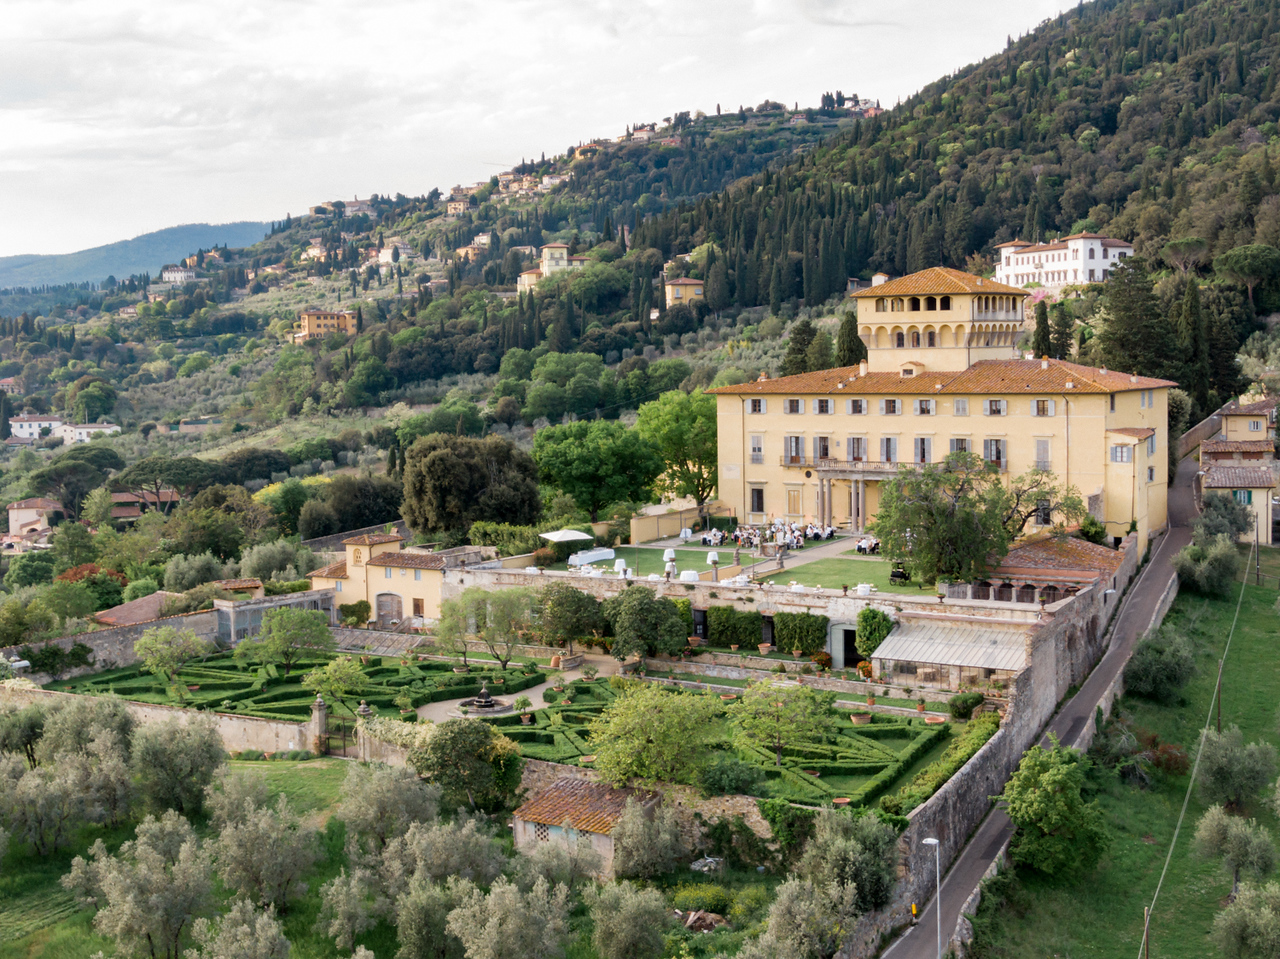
(861, 764)
(221, 683)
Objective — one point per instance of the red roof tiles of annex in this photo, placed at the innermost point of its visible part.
(936, 280)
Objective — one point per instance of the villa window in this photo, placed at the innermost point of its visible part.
(880, 304)
(1151, 445)
(900, 340)
(930, 303)
(959, 444)
(1122, 454)
(923, 449)
(993, 451)
(757, 449)
(795, 406)
(417, 574)
(387, 573)
(1044, 514)
(961, 407)
(822, 407)
(996, 407)
(855, 407)
(1255, 426)
(757, 406)
(857, 449)
(889, 449)
(944, 303)
(757, 499)
(889, 407)
(1243, 496)
(924, 407)
(933, 338)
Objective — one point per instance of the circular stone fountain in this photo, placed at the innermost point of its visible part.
(484, 704)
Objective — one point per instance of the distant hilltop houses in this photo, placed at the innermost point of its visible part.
(1072, 261)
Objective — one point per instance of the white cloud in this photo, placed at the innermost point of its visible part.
(123, 116)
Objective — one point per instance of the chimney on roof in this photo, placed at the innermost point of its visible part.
(862, 368)
(763, 376)
(879, 278)
(979, 281)
(1044, 362)
(1133, 377)
(1103, 370)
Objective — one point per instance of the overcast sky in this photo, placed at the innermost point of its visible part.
(123, 116)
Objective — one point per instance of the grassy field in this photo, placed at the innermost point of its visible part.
(649, 560)
(1101, 915)
(836, 571)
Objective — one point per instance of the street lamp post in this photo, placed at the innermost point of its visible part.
(937, 887)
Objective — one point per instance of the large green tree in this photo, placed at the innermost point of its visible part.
(451, 482)
(1135, 337)
(1042, 339)
(775, 717)
(597, 463)
(682, 428)
(1249, 265)
(566, 613)
(653, 734)
(955, 518)
(644, 624)
(850, 350)
(1059, 834)
(1193, 342)
(471, 762)
(287, 635)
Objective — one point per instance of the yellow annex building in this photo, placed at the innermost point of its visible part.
(315, 323)
(942, 375)
(395, 583)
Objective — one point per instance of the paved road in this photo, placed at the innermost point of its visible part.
(920, 941)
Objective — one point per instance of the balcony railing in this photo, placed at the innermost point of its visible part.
(757, 458)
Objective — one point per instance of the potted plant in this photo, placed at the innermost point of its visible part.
(464, 710)
(524, 704)
(404, 700)
(797, 652)
(733, 647)
(590, 672)
(920, 705)
(871, 699)
(860, 718)
(764, 648)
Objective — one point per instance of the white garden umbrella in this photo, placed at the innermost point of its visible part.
(565, 536)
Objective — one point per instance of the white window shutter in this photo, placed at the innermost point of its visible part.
(1052, 408)
(764, 406)
(916, 405)
(848, 406)
(815, 405)
(1004, 407)
(882, 407)
(986, 408)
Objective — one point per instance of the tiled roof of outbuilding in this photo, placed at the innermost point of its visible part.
(1239, 477)
(935, 280)
(586, 806)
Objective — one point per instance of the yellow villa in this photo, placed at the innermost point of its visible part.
(942, 375)
(396, 583)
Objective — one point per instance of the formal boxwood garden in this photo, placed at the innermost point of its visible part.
(223, 684)
(862, 764)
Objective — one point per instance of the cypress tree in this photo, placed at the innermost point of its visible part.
(1135, 337)
(5, 412)
(850, 350)
(796, 360)
(1223, 344)
(775, 289)
(1042, 341)
(1061, 330)
(1193, 342)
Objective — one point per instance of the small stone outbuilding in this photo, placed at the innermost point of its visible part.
(570, 808)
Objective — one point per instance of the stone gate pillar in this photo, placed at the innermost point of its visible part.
(319, 727)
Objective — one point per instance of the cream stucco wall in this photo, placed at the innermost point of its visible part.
(1236, 426)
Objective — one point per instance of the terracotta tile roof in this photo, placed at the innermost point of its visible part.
(985, 376)
(1251, 409)
(232, 584)
(1137, 432)
(126, 512)
(142, 610)
(143, 496)
(1237, 446)
(336, 570)
(1239, 477)
(373, 539)
(938, 279)
(408, 560)
(38, 502)
(587, 806)
(684, 281)
(1071, 554)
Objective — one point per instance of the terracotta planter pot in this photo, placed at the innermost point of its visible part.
(797, 653)
(365, 660)
(764, 648)
(919, 707)
(555, 662)
(934, 720)
(462, 669)
(588, 759)
(733, 647)
(695, 640)
(861, 719)
(840, 803)
(526, 719)
(567, 702)
(728, 697)
(871, 700)
(193, 688)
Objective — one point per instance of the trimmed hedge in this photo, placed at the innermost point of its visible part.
(727, 627)
(802, 631)
(930, 779)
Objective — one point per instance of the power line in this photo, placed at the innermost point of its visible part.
(1186, 800)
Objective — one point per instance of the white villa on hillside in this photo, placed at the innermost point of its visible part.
(1076, 259)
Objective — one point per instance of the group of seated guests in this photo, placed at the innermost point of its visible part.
(791, 535)
(868, 545)
(714, 537)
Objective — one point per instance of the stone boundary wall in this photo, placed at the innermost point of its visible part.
(113, 647)
(334, 541)
(354, 640)
(238, 732)
(1205, 429)
(963, 935)
(1061, 651)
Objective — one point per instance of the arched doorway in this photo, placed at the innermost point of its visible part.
(390, 609)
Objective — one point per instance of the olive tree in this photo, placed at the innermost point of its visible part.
(1250, 926)
(1231, 772)
(434, 852)
(165, 649)
(147, 894)
(380, 803)
(806, 921)
(775, 717)
(646, 845)
(510, 924)
(349, 906)
(857, 852)
(650, 733)
(264, 856)
(241, 933)
(471, 762)
(628, 921)
(1242, 845)
(559, 863)
(422, 915)
(286, 636)
(175, 762)
(233, 796)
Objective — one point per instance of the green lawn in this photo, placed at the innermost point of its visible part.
(1101, 914)
(835, 572)
(648, 560)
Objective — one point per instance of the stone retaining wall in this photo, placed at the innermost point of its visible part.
(238, 732)
(113, 647)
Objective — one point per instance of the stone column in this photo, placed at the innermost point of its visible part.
(318, 730)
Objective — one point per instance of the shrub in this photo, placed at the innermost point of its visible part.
(1093, 530)
(544, 557)
(930, 779)
(646, 847)
(822, 660)
(549, 695)
(1160, 666)
(1211, 567)
(749, 904)
(727, 774)
(708, 896)
(357, 612)
(182, 572)
(802, 631)
(963, 704)
(873, 626)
